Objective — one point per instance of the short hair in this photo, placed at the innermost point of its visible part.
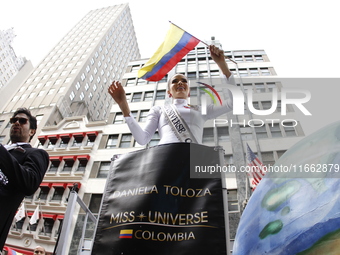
(32, 120)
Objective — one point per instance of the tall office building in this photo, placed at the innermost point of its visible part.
(72, 80)
(10, 63)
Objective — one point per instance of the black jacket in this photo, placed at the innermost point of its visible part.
(24, 169)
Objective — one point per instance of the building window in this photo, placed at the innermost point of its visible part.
(72, 96)
(223, 134)
(261, 132)
(136, 97)
(260, 87)
(44, 190)
(243, 72)
(64, 140)
(130, 82)
(154, 140)
(271, 85)
(55, 162)
(78, 139)
(265, 71)
(246, 133)
(143, 115)
(69, 162)
(275, 130)
(214, 73)
(104, 169)
(160, 95)
(208, 135)
(48, 226)
(52, 140)
(95, 203)
(34, 226)
(91, 137)
(238, 58)
(125, 141)
(258, 58)
(254, 72)
(248, 58)
(268, 158)
(148, 96)
(112, 141)
(289, 129)
(58, 193)
(82, 163)
(119, 118)
(232, 201)
(141, 82)
(19, 224)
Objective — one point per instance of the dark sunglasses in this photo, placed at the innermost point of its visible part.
(22, 121)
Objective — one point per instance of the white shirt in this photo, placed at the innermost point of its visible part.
(194, 119)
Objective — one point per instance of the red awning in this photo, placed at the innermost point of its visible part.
(92, 133)
(53, 137)
(46, 184)
(42, 139)
(55, 158)
(60, 217)
(59, 184)
(73, 158)
(65, 135)
(50, 216)
(83, 157)
(79, 134)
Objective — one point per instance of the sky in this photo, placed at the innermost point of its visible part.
(300, 37)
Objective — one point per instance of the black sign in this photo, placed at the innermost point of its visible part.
(152, 206)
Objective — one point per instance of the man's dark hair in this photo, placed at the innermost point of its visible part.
(32, 120)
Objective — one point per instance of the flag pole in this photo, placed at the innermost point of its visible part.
(200, 40)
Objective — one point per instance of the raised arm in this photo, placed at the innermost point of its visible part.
(141, 135)
(117, 92)
(218, 56)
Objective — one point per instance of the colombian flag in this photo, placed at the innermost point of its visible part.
(126, 233)
(176, 45)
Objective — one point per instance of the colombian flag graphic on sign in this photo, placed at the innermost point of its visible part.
(126, 233)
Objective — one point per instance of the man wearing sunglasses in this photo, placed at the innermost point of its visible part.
(22, 168)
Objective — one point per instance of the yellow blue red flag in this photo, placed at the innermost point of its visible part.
(176, 45)
(126, 233)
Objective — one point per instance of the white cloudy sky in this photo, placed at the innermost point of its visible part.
(300, 37)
